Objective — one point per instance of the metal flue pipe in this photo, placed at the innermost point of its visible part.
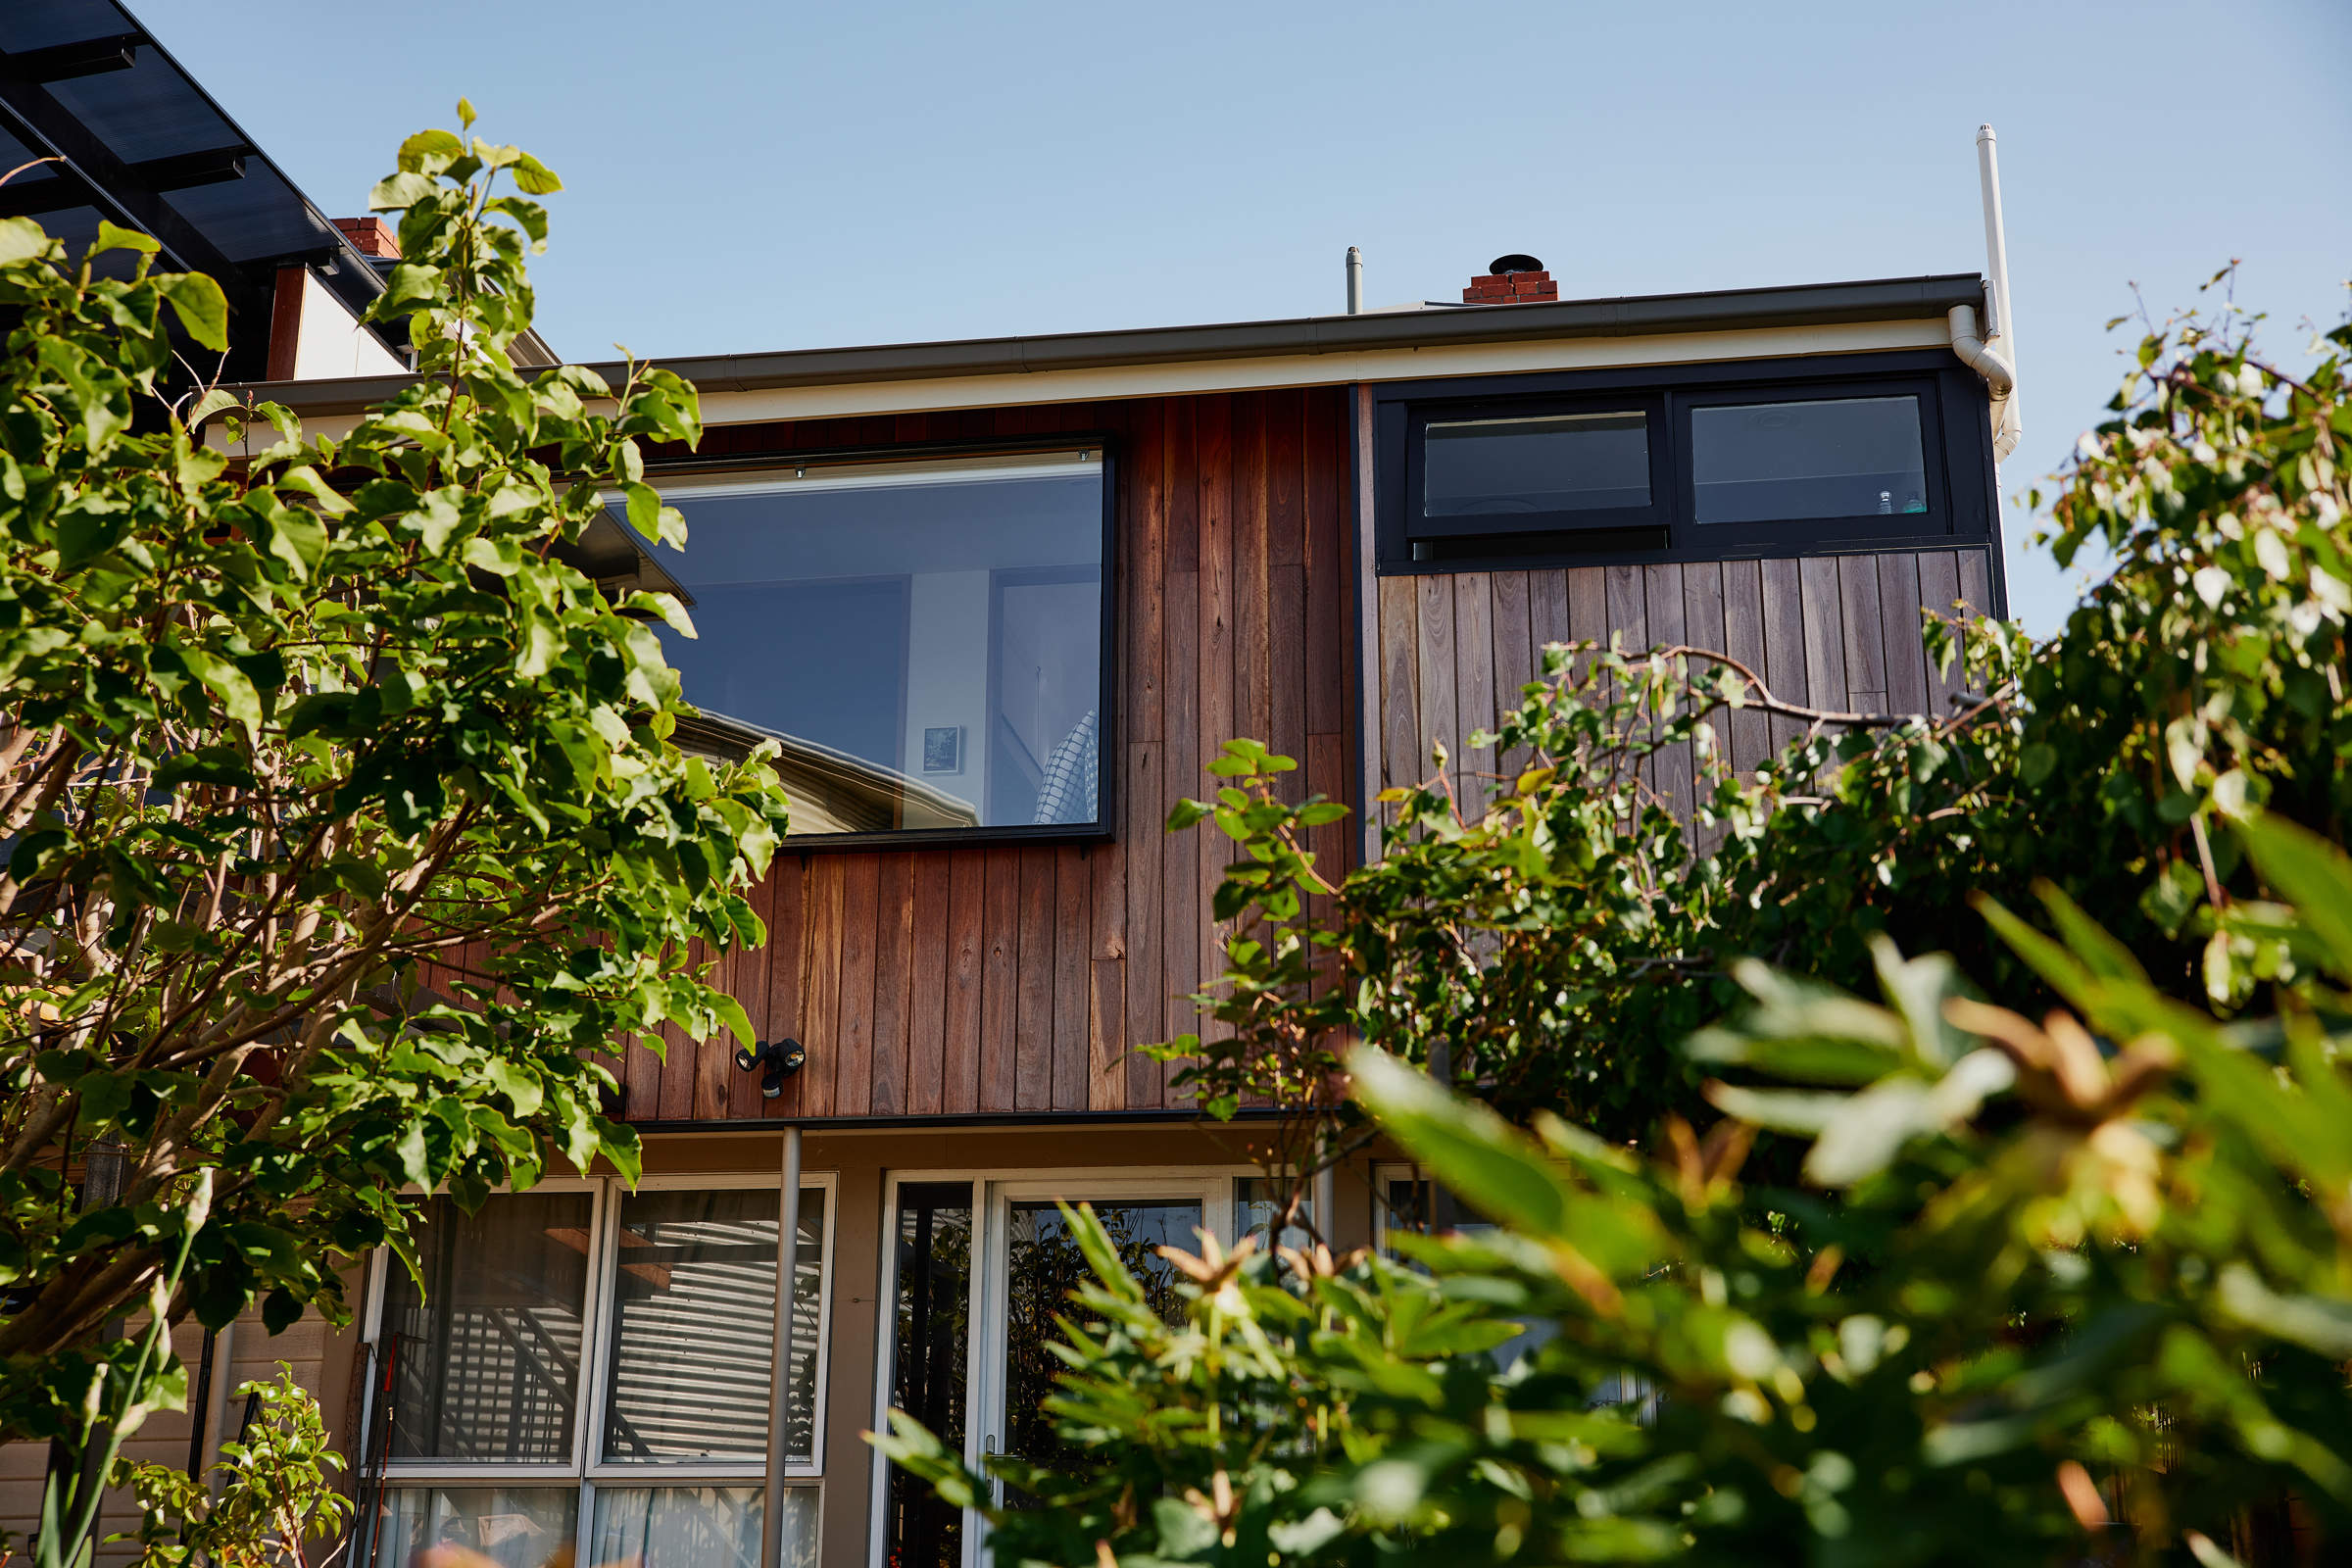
(2000, 313)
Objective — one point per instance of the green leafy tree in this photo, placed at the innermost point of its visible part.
(346, 838)
(2070, 1291)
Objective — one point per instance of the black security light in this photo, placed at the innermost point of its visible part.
(780, 1058)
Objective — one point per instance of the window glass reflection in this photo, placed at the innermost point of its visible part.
(1542, 464)
(697, 1527)
(1832, 458)
(1044, 1266)
(488, 1362)
(693, 1298)
(927, 1374)
(924, 639)
(477, 1527)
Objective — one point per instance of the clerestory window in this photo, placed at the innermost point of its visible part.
(1698, 462)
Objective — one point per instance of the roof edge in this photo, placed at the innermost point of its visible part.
(1725, 309)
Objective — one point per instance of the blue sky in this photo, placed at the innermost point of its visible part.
(745, 177)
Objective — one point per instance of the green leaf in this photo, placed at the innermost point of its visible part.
(1467, 1146)
(22, 240)
(644, 510)
(211, 403)
(409, 285)
(225, 681)
(732, 1017)
(305, 480)
(395, 192)
(112, 236)
(202, 309)
(2312, 874)
(429, 152)
(520, 1086)
(534, 178)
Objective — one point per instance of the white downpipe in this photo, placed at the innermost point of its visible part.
(2000, 326)
(779, 1376)
(1982, 358)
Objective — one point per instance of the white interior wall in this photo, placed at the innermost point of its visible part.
(947, 619)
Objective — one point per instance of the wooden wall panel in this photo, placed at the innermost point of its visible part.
(1835, 632)
(1002, 980)
(1015, 979)
(1001, 972)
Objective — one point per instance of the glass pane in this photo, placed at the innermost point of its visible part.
(1258, 1201)
(1548, 462)
(1408, 1204)
(464, 1527)
(489, 1358)
(697, 1527)
(1836, 457)
(933, 1313)
(924, 639)
(1044, 1267)
(693, 1293)
(807, 1315)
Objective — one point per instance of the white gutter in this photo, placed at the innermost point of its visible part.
(1993, 356)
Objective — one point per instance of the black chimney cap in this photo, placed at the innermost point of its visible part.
(1514, 263)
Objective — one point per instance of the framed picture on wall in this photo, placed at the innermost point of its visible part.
(943, 749)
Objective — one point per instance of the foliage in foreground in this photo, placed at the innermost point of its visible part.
(2045, 1279)
(281, 742)
(1554, 941)
(268, 1492)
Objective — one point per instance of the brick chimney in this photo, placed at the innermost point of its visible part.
(372, 236)
(1512, 280)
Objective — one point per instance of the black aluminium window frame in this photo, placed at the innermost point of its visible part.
(1956, 408)
(1649, 404)
(1104, 829)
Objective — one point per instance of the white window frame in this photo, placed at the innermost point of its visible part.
(586, 1472)
(1384, 1173)
(993, 1192)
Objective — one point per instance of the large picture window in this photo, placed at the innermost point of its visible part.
(588, 1362)
(923, 637)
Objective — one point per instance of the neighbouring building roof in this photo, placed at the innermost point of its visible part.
(139, 141)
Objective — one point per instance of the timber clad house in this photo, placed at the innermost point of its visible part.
(1000, 601)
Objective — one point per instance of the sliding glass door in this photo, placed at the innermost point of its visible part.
(1041, 1266)
(980, 1266)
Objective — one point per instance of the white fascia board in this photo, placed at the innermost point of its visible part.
(940, 394)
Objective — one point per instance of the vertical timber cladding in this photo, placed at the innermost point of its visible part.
(1838, 633)
(1009, 978)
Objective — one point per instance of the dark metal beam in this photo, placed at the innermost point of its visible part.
(48, 125)
(30, 198)
(116, 190)
(212, 166)
(64, 62)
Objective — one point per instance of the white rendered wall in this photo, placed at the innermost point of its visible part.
(330, 344)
